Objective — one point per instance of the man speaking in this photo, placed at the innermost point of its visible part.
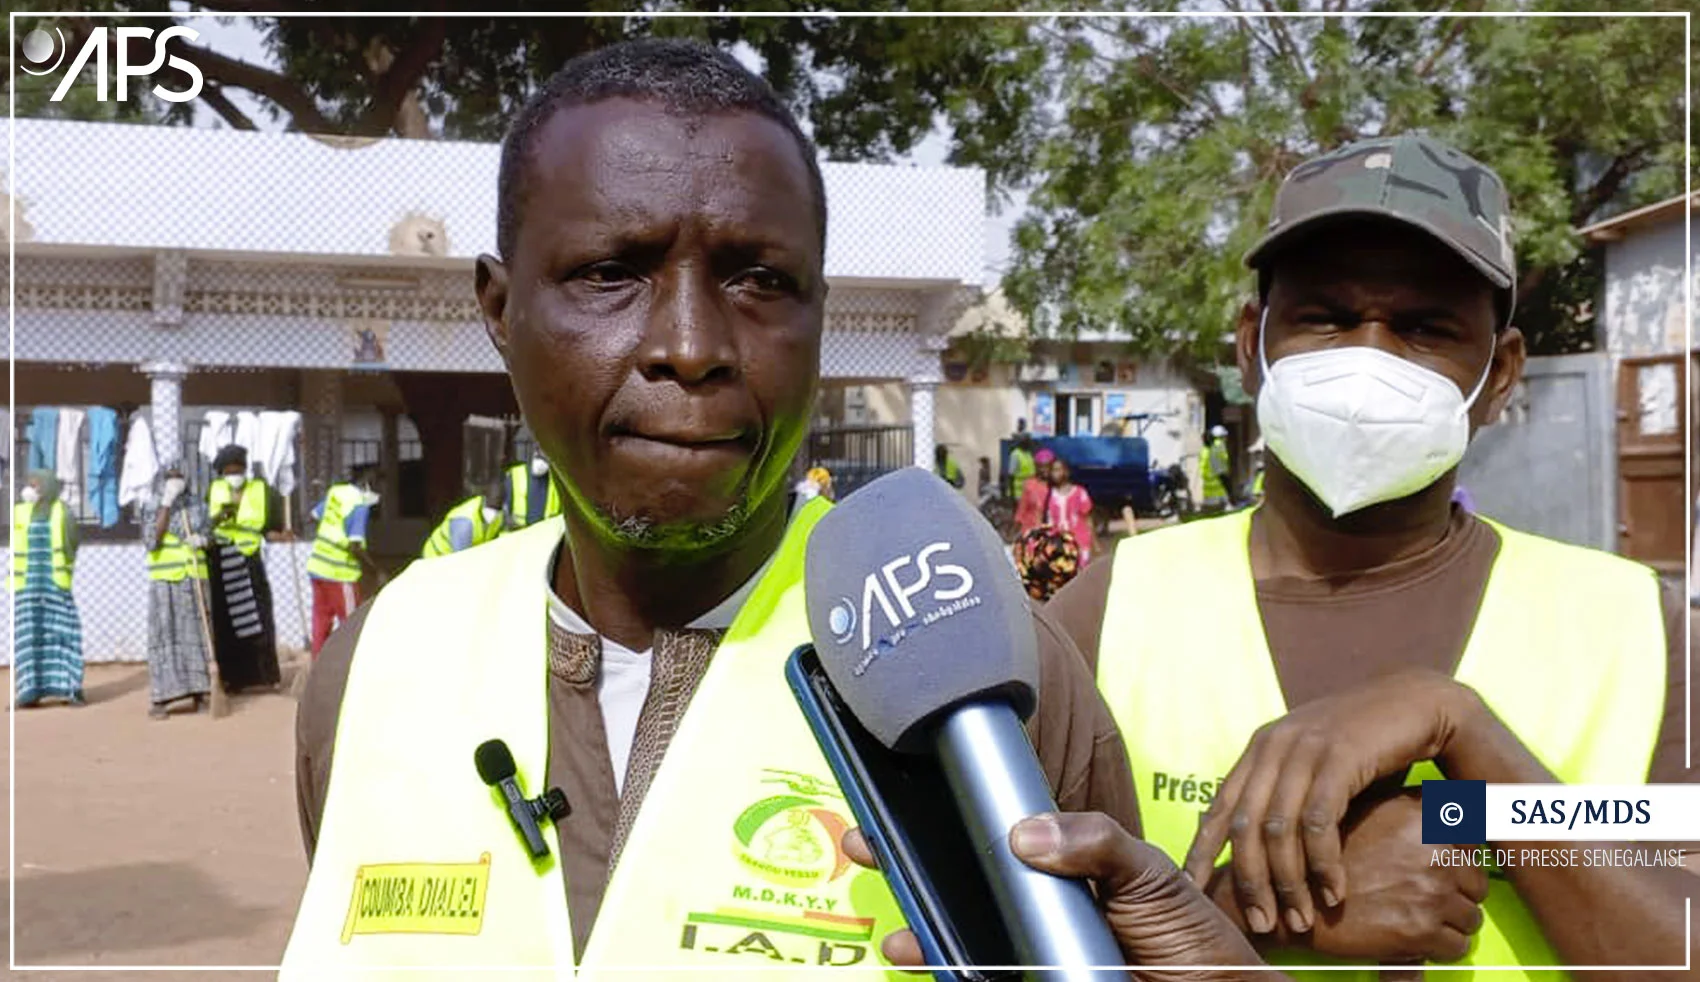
(658, 301)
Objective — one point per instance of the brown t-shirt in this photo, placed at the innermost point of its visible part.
(1329, 636)
(1076, 739)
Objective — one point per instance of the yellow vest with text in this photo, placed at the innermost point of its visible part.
(62, 563)
(247, 529)
(331, 559)
(175, 560)
(441, 542)
(733, 862)
(1568, 649)
(519, 494)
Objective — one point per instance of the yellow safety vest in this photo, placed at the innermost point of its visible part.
(1208, 459)
(733, 861)
(1581, 683)
(519, 493)
(441, 542)
(62, 562)
(331, 559)
(247, 530)
(175, 559)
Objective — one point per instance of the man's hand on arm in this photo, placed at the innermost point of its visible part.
(1404, 908)
(1283, 804)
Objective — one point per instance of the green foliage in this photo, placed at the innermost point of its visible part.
(1178, 132)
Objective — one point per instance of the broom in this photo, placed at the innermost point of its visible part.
(220, 699)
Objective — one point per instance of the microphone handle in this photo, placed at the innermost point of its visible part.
(997, 781)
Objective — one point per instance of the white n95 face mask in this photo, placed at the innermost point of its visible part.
(491, 514)
(235, 481)
(1360, 426)
(29, 495)
(539, 466)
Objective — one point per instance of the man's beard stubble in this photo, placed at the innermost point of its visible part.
(640, 532)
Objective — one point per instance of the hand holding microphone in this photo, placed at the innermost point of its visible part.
(925, 633)
(1159, 918)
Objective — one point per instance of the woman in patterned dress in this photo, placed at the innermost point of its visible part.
(48, 660)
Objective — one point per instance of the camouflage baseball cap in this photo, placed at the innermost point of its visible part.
(1412, 179)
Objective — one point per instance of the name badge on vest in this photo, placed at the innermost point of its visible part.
(418, 898)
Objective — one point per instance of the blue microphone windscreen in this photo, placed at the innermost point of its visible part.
(914, 607)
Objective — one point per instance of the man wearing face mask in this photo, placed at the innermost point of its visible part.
(340, 561)
(1366, 633)
(532, 495)
(244, 637)
(473, 522)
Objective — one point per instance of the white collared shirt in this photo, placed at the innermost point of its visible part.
(622, 684)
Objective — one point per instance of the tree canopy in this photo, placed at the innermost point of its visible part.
(1150, 146)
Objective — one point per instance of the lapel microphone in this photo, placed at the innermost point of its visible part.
(496, 767)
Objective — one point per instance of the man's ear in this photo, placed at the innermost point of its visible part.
(491, 283)
(1509, 354)
(1245, 348)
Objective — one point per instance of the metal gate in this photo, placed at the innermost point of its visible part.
(1651, 404)
(855, 455)
(1546, 466)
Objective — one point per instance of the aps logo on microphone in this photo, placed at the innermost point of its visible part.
(891, 599)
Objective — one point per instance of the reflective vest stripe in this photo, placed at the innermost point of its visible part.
(1582, 683)
(741, 821)
(57, 534)
(174, 560)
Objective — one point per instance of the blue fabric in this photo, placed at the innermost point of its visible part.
(103, 465)
(49, 657)
(536, 499)
(354, 526)
(460, 534)
(44, 440)
(318, 511)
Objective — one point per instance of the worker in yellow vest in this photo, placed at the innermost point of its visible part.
(339, 562)
(47, 660)
(475, 521)
(174, 527)
(672, 404)
(532, 494)
(1215, 469)
(1366, 635)
(244, 632)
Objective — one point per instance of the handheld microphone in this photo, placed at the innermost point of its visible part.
(496, 768)
(924, 629)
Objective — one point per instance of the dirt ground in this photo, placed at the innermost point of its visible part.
(143, 842)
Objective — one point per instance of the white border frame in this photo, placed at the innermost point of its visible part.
(757, 969)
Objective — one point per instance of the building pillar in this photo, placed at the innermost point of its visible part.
(922, 417)
(389, 460)
(165, 397)
(321, 420)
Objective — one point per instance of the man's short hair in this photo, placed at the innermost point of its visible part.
(681, 77)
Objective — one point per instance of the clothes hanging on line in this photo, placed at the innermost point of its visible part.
(103, 465)
(275, 450)
(135, 482)
(44, 439)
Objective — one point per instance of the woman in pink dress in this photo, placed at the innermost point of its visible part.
(1068, 506)
(1030, 509)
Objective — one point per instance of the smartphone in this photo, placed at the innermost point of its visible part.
(916, 832)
